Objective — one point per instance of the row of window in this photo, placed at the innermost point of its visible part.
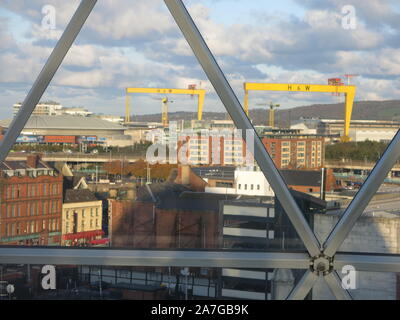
(93, 212)
(31, 227)
(32, 190)
(285, 162)
(245, 186)
(33, 208)
(198, 147)
(69, 227)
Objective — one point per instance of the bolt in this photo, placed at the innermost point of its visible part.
(321, 267)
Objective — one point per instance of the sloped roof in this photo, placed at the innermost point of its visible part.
(160, 191)
(74, 196)
(216, 172)
(175, 196)
(22, 164)
(302, 177)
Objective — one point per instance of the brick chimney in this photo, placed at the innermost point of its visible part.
(33, 160)
(185, 174)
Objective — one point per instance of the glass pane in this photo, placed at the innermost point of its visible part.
(143, 283)
(130, 147)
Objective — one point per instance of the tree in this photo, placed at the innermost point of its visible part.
(361, 151)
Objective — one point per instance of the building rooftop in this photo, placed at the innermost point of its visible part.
(217, 172)
(82, 195)
(24, 164)
(66, 122)
(301, 177)
(172, 196)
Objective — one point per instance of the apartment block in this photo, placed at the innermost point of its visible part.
(31, 202)
(296, 152)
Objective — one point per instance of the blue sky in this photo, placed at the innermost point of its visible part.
(264, 41)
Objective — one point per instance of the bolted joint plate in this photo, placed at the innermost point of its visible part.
(321, 265)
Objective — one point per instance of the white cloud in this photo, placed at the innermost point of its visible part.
(136, 43)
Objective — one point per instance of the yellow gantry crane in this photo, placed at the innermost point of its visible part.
(349, 91)
(199, 92)
(272, 107)
(164, 112)
(271, 113)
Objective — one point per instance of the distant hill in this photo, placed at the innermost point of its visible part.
(362, 110)
(181, 115)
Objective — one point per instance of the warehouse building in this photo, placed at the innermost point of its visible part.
(67, 125)
(360, 130)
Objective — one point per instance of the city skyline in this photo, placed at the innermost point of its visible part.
(254, 42)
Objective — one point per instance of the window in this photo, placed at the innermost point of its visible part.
(32, 190)
(8, 192)
(268, 234)
(258, 187)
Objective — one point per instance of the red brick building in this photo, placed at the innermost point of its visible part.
(31, 202)
(208, 150)
(295, 151)
(289, 151)
(178, 218)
